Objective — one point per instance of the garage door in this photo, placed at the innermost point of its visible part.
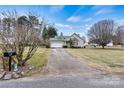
(56, 44)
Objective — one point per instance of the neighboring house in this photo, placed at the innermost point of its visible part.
(110, 44)
(122, 38)
(74, 40)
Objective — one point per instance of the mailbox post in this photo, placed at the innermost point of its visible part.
(9, 54)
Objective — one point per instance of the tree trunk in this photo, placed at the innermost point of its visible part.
(121, 45)
(21, 64)
(4, 65)
(103, 46)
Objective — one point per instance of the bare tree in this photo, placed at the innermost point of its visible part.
(101, 32)
(119, 33)
(20, 34)
(115, 40)
(84, 39)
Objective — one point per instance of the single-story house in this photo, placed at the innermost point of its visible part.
(60, 41)
(110, 44)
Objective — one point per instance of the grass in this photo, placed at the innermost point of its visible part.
(39, 60)
(109, 59)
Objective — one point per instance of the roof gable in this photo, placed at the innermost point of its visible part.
(62, 38)
(59, 38)
(76, 36)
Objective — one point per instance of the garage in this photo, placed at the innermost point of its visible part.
(56, 44)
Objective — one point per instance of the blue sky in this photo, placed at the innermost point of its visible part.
(69, 19)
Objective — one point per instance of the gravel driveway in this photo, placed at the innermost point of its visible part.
(63, 64)
(64, 71)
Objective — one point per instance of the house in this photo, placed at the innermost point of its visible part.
(110, 44)
(60, 41)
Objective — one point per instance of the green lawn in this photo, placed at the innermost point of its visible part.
(39, 60)
(110, 59)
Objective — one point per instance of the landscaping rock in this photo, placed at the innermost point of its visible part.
(8, 76)
(18, 72)
(30, 67)
(15, 75)
(2, 74)
(1, 70)
(22, 73)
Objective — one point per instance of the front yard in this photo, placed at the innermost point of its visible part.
(39, 60)
(109, 59)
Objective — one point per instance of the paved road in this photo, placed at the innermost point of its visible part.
(64, 82)
(64, 71)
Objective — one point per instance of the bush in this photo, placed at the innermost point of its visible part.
(65, 46)
(47, 46)
(75, 47)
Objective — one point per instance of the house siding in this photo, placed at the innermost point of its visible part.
(80, 41)
(77, 41)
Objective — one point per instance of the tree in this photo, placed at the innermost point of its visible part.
(44, 33)
(101, 32)
(119, 34)
(115, 40)
(49, 32)
(61, 34)
(84, 39)
(20, 34)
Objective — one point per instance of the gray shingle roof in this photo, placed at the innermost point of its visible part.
(57, 38)
(63, 38)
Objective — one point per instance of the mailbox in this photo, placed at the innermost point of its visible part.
(9, 55)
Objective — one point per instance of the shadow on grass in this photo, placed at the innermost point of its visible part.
(108, 48)
(110, 64)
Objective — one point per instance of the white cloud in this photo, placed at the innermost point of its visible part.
(78, 10)
(87, 26)
(74, 18)
(97, 7)
(56, 8)
(63, 25)
(120, 22)
(100, 12)
(88, 19)
(102, 9)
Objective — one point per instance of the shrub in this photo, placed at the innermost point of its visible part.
(65, 46)
(47, 46)
(75, 47)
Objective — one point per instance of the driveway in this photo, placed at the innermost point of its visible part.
(64, 71)
(62, 63)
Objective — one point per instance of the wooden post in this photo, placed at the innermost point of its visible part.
(10, 63)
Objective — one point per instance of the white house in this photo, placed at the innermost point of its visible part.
(110, 44)
(74, 40)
